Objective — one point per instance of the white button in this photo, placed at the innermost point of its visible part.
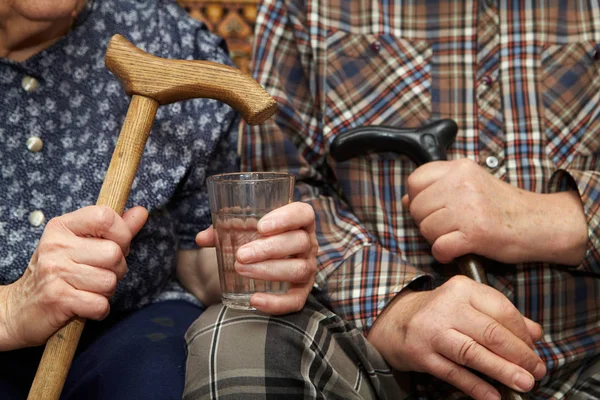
(34, 144)
(36, 218)
(29, 83)
(491, 162)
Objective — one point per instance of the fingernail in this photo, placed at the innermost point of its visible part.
(539, 371)
(257, 301)
(524, 381)
(494, 395)
(245, 254)
(266, 226)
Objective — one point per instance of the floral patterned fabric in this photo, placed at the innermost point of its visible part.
(77, 111)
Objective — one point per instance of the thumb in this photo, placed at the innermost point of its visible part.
(206, 238)
(135, 218)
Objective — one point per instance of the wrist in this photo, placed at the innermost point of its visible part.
(402, 304)
(6, 342)
(558, 231)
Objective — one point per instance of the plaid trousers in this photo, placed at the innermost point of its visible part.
(311, 354)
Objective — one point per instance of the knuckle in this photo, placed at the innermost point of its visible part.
(492, 334)
(529, 361)
(441, 252)
(113, 253)
(53, 224)
(308, 211)
(467, 353)
(298, 303)
(99, 308)
(412, 180)
(264, 248)
(451, 375)
(108, 282)
(466, 163)
(477, 388)
(302, 269)
(55, 296)
(103, 308)
(427, 232)
(412, 208)
(105, 218)
(47, 266)
(304, 241)
(459, 282)
(49, 246)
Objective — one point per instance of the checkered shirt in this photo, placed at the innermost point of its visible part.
(521, 79)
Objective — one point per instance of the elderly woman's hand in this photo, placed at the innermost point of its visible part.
(286, 252)
(73, 272)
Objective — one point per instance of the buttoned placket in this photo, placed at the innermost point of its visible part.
(487, 85)
(33, 144)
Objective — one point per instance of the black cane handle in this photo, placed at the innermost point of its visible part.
(422, 145)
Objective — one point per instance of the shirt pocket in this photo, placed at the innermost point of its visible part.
(570, 83)
(376, 80)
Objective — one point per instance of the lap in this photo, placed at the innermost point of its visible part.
(138, 355)
(312, 353)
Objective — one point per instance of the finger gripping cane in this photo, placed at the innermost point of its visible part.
(422, 145)
(151, 81)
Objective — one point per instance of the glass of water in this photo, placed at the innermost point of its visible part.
(237, 202)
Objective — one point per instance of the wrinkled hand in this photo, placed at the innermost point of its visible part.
(460, 325)
(461, 208)
(73, 272)
(285, 252)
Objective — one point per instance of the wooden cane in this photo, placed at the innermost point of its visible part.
(151, 81)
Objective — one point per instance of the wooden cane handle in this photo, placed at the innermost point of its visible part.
(168, 81)
(60, 348)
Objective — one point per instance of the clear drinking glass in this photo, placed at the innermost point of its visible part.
(237, 202)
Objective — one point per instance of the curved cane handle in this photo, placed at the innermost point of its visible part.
(168, 81)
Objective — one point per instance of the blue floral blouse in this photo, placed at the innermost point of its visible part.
(60, 114)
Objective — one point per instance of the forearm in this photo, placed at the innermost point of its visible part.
(3, 319)
(558, 230)
(7, 337)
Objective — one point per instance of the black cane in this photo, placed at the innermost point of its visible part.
(422, 145)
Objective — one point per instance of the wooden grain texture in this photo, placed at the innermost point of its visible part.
(168, 81)
(56, 361)
(128, 153)
(60, 348)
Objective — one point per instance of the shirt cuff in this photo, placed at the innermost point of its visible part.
(587, 185)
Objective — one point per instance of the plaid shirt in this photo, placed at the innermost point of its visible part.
(523, 83)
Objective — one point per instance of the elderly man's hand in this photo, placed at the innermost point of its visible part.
(459, 326)
(461, 208)
(286, 252)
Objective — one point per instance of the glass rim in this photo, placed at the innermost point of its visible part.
(261, 176)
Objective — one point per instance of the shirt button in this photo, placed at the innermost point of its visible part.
(29, 84)
(36, 218)
(376, 46)
(491, 162)
(487, 80)
(34, 144)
